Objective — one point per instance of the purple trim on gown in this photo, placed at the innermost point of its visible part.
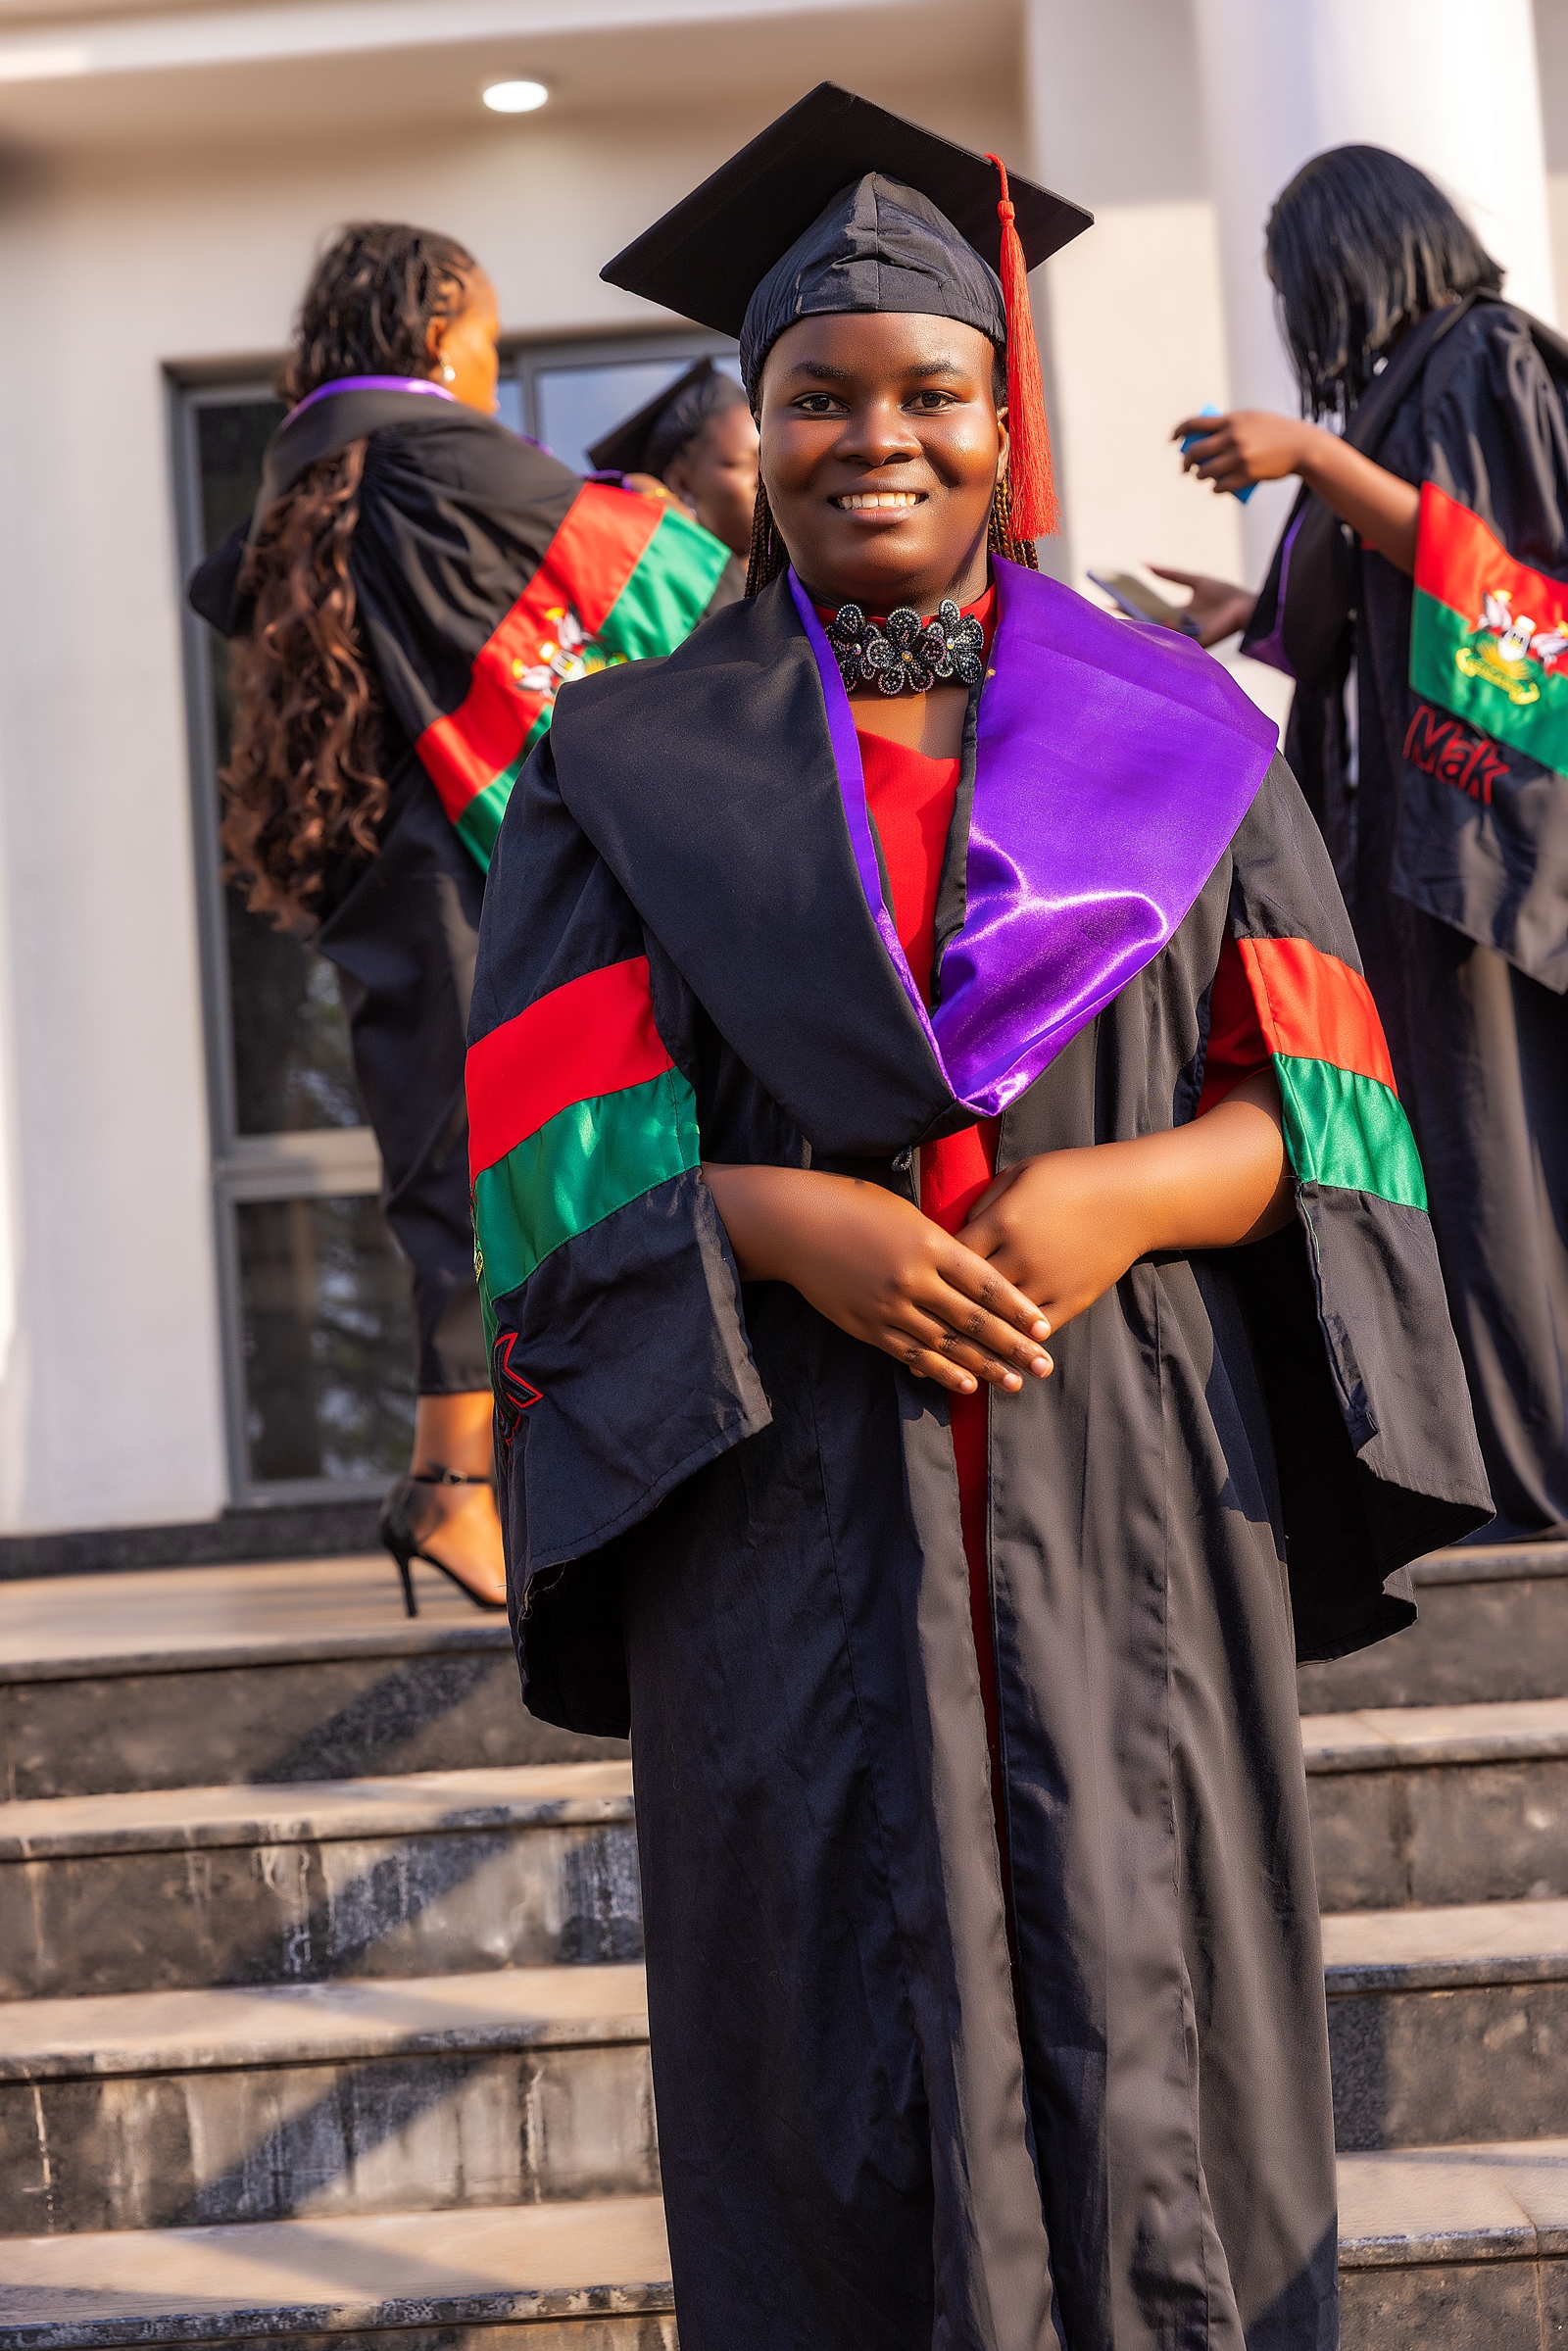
(1114, 762)
(1271, 649)
(368, 383)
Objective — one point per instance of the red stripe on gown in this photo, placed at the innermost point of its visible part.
(912, 799)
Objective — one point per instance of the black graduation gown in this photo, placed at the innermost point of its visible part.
(460, 520)
(736, 1529)
(1451, 848)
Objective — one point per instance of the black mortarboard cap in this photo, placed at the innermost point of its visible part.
(708, 256)
(654, 436)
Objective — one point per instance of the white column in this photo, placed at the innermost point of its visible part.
(1134, 334)
(1452, 84)
(1132, 315)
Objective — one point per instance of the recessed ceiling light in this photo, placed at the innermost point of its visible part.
(516, 97)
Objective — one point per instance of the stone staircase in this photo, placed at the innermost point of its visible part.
(321, 2014)
(1438, 1771)
(320, 2010)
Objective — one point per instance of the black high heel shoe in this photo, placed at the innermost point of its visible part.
(405, 1543)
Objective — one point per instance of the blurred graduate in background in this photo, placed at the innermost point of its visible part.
(697, 440)
(1419, 597)
(413, 589)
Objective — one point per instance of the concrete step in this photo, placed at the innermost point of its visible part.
(586, 2277)
(167, 2110)
(266, 1674)
(1448, 2024)
(1456, 2248)
(1465, 2248)
(1493, 1624)
(1437, 1806)
(409, 1875)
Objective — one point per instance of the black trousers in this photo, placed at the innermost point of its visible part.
(403, 937)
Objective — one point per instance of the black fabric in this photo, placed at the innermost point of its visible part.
(1468, 978)
(1480, 1051)
(455, 514)
(401, 936)
(871, 2131)
(708, 256)
(213, 589)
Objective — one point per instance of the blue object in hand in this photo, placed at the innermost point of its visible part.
(1212, 410)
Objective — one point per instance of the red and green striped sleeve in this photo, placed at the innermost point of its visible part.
(576, 1110)
(1489, 636)
(624, 578)
(1345, 1126)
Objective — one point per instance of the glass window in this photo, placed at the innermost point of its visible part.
(328, 1342)
(289, 1041)
(317, 1319)
(576, 405)
(569, 395)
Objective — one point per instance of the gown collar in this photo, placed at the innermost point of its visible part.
(1113, 765)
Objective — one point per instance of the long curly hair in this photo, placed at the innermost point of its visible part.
(303, 787)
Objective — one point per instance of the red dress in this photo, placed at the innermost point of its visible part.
(912, 799)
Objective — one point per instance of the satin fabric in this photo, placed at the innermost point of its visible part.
(1113, 765)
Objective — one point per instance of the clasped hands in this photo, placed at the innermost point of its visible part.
(1047, 1237)
(960, 1310)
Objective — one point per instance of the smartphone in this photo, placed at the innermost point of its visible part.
(1212, 410)
(1144, 603)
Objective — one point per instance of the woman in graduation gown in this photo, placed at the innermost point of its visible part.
(697, 440)
(1419, 597)
(415, 585)
(864, 1001)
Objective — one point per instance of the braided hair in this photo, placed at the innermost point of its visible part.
(368, 308)
(303, 787)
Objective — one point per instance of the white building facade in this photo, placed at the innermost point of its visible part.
(199, 1306)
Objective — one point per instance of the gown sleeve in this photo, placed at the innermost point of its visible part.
(1374, 1432)
(490, 577)
(1481, 751)
(619, 1351)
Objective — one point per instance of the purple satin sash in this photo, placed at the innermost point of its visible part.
(1114, 762)
(368, 383)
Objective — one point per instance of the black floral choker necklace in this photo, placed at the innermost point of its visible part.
(906, 654)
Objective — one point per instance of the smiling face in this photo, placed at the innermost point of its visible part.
(881, 444)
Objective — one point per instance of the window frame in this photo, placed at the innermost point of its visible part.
(527, 357)
(321, 1162)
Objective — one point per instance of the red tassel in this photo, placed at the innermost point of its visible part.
(1035, 512)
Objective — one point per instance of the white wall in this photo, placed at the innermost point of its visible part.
(1135, 307)
(1551, 60)
(111, 266)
